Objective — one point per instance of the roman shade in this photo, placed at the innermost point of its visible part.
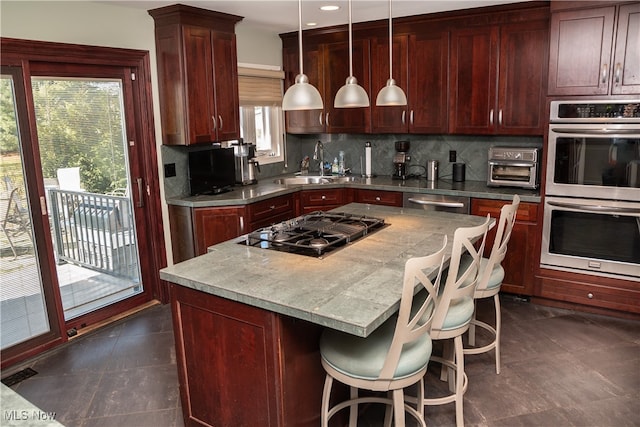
(257, 86)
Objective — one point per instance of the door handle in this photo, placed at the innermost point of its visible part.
(140, 193)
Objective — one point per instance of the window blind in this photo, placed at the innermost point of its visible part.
(260, 87)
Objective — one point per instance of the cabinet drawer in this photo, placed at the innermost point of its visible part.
(374, 197)
(267, 210)
(527, 212)
(615, 298)
(331, 196)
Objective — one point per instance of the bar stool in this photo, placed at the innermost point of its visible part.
(491, 277)
(393, 357)
(454, 311)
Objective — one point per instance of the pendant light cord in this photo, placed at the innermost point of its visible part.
(390, 44)
(350, 44)
(300, 34)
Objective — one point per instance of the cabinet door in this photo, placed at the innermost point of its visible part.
(336, 71)
(216, 225)
(305, 121)
(200, 96)
(626, 59)
(580, 51)
(225, 82)
(428, 82)
(474, 61)
(389, 119)
(523, 76)
(519, 262)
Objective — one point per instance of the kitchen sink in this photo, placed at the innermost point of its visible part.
(308, 179)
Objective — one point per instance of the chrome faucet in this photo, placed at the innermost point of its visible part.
(318, 154)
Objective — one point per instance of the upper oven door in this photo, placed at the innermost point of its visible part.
(594, 160)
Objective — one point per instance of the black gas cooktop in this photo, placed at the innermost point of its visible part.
(315, 234)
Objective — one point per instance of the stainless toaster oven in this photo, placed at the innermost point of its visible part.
(513, 167)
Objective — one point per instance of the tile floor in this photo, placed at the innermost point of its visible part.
(560, 368)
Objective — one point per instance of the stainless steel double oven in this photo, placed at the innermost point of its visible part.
(592, 204)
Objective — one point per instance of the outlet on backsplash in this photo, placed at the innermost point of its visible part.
(452, 156)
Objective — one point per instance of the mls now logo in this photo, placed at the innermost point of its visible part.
(17, 415)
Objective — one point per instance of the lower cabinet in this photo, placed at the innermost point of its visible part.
(598, 294)
(240, 365)
(322, 200)
(193, 230)
(523, 250)
(378, 197)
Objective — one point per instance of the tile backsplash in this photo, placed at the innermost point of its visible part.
(471, 150)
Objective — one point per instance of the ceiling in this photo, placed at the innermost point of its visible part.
(282, 15)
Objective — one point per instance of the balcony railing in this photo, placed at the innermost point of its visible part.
(95, 231)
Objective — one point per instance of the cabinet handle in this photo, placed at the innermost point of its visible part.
(590, 295)
(320, 118)
(491, 117)
(403, 116)
(215, 123)
(241, 224)
(618, 73)
(411, 118)
(140, 193)
(500, 117)
(323, 197)
(604, 73)
(377, 198)
(221, 122)
(326, 120)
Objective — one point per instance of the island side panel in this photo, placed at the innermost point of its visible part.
(243, 366)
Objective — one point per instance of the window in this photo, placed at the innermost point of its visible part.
(261, 116)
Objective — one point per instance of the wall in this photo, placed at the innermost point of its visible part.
(111, 25)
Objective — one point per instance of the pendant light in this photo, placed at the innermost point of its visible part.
(301, 95)
(391, 94)
(351, 94)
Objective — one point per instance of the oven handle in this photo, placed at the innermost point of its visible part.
(434, 203)
(510, 163)
(595, 208)
(604, 131)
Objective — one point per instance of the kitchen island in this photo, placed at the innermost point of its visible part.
(247, 320)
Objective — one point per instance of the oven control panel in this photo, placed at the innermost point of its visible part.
(617, 111)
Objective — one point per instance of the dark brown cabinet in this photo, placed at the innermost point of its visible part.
(594, 51)
(271, 211)
(498, 78)
(327, 67)
(240, 365)
(377, 197)
(321, 200)
(197, 75)
(420, 64)
(522, 255)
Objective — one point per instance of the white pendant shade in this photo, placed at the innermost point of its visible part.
(351, 94)
(301, 95)
(391, 94)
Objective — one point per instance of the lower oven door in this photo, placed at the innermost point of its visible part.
(590, 236)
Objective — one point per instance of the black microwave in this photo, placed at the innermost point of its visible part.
(211, 170)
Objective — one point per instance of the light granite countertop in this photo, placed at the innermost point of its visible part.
(266, 189)
(19, 412)
(354, 289)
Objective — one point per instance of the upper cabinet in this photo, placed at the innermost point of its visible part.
(480, 71)
(420, 64)
(198, 75)
(498, 76)
(595, 51)
(326, 64)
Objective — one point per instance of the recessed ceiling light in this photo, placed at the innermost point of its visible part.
(311, 24)
(330, 8)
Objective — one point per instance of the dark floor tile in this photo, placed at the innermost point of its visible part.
(555, 417)
(162, 418)
(136, 351)
(69, 396)
(152, 320)
(614, 412)
(137, 390)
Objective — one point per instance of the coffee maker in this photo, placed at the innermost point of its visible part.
(246, 163)
(401, 160)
